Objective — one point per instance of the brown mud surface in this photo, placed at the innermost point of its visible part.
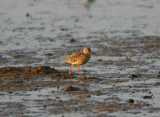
(122, 78)
(64, 94)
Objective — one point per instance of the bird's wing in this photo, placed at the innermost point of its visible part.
(74, 57)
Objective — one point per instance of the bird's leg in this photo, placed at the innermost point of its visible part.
(70, 69)
(79, 70)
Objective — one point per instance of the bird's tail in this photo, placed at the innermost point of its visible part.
(62, 59)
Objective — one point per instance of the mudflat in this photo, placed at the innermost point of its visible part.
(121, 78)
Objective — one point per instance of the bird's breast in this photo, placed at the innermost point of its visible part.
(83, 60)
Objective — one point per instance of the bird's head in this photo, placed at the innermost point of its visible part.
(86, 50)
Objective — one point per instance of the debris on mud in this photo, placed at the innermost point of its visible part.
(148, 97)
(132, 76)
(158, 74)
(71, 88)
(72, 40)
(157, 83)
(130, 101)
(48, 54)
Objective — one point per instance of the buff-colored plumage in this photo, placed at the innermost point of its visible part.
(79, 58)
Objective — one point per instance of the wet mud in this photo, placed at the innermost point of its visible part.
(121, 79)
(56, 93)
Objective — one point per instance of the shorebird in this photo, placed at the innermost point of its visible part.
(88, 2)
(78, 58)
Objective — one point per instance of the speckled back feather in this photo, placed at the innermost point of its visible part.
(73, 58)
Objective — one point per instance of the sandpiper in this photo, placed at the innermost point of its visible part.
(87, 2)
(78, 58)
